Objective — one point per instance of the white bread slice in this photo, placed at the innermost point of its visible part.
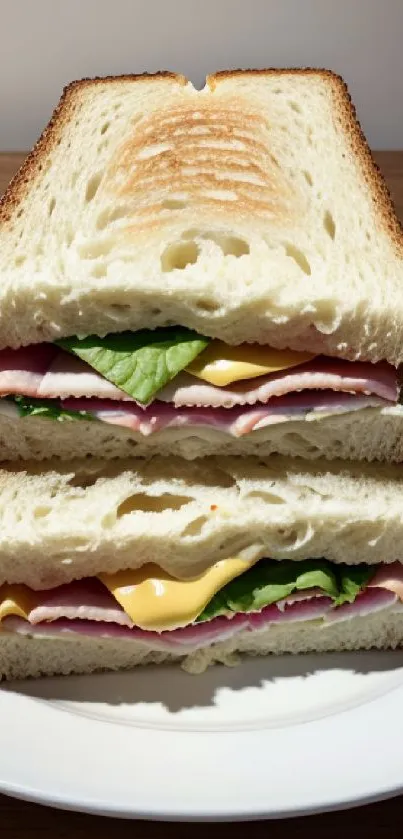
(22, 657)
(368, 434)
(61, 521)
(251, 210)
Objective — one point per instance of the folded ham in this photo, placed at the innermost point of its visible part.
(234, 421)
(322, 373)
(87, 608)
(46, 372)
(312, 390)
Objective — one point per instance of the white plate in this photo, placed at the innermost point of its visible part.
(273, 737)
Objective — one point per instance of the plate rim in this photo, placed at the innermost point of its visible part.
(33, 797)
(27, 718)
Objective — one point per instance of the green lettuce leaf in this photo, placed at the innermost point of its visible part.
(352, 580)
(46, 408)
(269, 581)
(140, 363)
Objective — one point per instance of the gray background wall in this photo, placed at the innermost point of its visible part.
(46, 43)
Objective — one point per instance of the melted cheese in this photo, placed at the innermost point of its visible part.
(17, 600)
(150, 597)
(220, 365)
(154, 600)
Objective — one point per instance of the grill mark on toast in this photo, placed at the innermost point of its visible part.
(164, 157)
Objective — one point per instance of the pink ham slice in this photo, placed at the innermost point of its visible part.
(69, 376)
(370, 600)
(22, 371)
(84, 599)
(234, 421)
(389, 578)
(200, 635)
(89, 600)
(304, 606)
(187, 639)
(44, 371)
(321, 373)
(308, 594)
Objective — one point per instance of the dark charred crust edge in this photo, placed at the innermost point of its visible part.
(380, 194)
(345, 116)
(269, 71)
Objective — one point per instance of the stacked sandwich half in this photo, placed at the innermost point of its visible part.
(201, 327)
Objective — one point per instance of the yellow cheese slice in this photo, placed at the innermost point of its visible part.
(154, 600)
(220, 365)
(17, 600)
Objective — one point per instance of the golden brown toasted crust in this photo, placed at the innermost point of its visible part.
(270, 71)
(203, 179)
(344, 114)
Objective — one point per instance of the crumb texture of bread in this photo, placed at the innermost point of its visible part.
(369, 434)
(61, 521)
(31, 657)
(250, 210)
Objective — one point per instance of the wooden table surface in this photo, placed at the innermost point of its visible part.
(19, 820)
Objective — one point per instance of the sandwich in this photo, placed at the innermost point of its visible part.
(195, 273)
(187, 277)
(106, 565)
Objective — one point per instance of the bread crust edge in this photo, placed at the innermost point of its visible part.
(345, 114)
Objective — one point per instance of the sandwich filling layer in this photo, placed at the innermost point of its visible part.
(164, 613)
(148, 381)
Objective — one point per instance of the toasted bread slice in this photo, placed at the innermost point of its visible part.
(250, 210)
(62, 521)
